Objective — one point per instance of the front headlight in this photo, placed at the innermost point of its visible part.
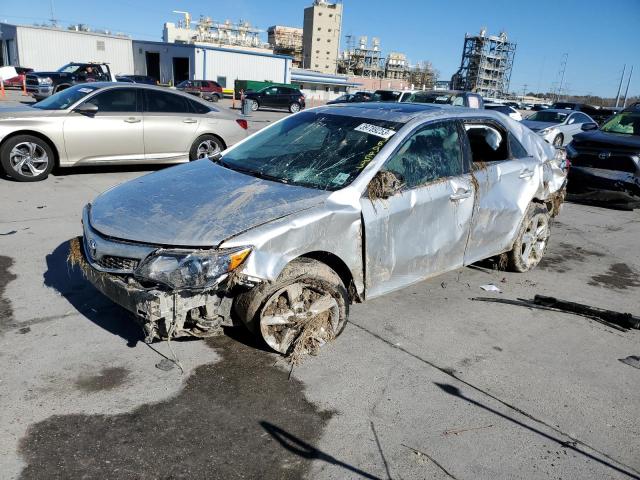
(45, 81)
(179, 269)
(544, 131)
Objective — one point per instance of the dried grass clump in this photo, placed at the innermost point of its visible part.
(75, 252)
(313, 335)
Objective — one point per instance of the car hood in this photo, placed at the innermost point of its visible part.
(23, 111)
(199, 204)
(597, 138)
(537, 126)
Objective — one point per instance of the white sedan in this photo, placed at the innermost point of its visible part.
(506, 109)
(557, 127)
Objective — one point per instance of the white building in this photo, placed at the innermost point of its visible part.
(174, 62)
(46, 48)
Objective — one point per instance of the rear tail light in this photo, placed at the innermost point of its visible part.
(243, 123)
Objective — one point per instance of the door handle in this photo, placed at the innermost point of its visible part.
(525, 174)
(460, 195)
(189, 120)
(132, 120)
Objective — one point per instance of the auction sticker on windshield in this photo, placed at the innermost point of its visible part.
(375, 130)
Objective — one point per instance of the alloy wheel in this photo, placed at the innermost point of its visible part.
(29, 159)
(293, 307)
(534, 240)
(208, 149)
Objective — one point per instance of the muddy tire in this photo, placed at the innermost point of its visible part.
(205, 146)
(305, 290)
(558, 140)
(532, 240)
(26, 158)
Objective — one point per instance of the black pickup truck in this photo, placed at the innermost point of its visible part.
(42, 84)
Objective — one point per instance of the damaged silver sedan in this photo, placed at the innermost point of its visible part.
(327, 207)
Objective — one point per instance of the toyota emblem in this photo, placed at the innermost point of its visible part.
(93, 249)
(604, 155)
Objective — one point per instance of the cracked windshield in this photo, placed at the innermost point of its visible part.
(315, 150)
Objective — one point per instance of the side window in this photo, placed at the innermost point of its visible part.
(161, 102)
(431, 153)
(581, 118)
(198, 107)
(487, 143)
(572, 120)
(116, 100)
(271, 91)
(516, 148)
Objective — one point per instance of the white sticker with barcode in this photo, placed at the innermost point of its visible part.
(375, 130)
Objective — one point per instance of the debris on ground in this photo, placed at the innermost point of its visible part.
(9, 233)
(165, 365)
(443, 284)
(633, 360)
(24, 330)
(616, 320)
(40, 207)
(490, 288)
(462, 430)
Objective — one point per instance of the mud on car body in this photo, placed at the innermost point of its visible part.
(326, 207)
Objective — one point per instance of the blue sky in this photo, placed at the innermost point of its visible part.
(599, 36)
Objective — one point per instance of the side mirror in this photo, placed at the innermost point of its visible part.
(87, 108)
(385, 184)
(589, 126)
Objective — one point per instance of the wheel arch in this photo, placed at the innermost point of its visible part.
(41, 136)
(340, 267)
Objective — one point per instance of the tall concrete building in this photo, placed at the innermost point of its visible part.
(321, 36)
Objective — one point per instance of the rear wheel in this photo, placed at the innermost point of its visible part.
(26, 158)
(294, 107)
(205, 146)
(254, 105)
(531, 242)
(558, 140)
(308, 298)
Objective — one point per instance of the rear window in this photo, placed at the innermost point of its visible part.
(312, 149)
(387, 96)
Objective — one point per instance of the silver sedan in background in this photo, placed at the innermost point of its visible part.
(557, 126)
(111, 123)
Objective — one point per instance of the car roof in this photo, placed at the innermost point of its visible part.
(404, 112)
(144, 86)
(563, 110)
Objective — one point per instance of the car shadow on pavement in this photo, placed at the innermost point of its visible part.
(570, 444)
(308, 452)
(69, 282)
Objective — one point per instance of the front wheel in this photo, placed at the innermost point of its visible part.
(205, 146)
(558, 141)
(294, 107)
(532, 240)
(26, 158)
(304, 308)
(254, 105)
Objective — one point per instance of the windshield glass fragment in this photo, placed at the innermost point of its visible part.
(315, 150)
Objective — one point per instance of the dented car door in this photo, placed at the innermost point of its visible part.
(422, 229)
(507, 178)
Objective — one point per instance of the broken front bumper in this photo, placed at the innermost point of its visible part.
(162, 314)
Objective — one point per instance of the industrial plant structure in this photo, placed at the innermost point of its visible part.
(286, 41)
(486, 64)
(367, 61)
(227, 34)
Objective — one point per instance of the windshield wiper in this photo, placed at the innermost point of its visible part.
(247, 171)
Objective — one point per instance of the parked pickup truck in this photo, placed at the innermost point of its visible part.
(42, 84)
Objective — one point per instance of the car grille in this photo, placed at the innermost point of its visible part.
(32, 80)
(118, 263)
(617, 161)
